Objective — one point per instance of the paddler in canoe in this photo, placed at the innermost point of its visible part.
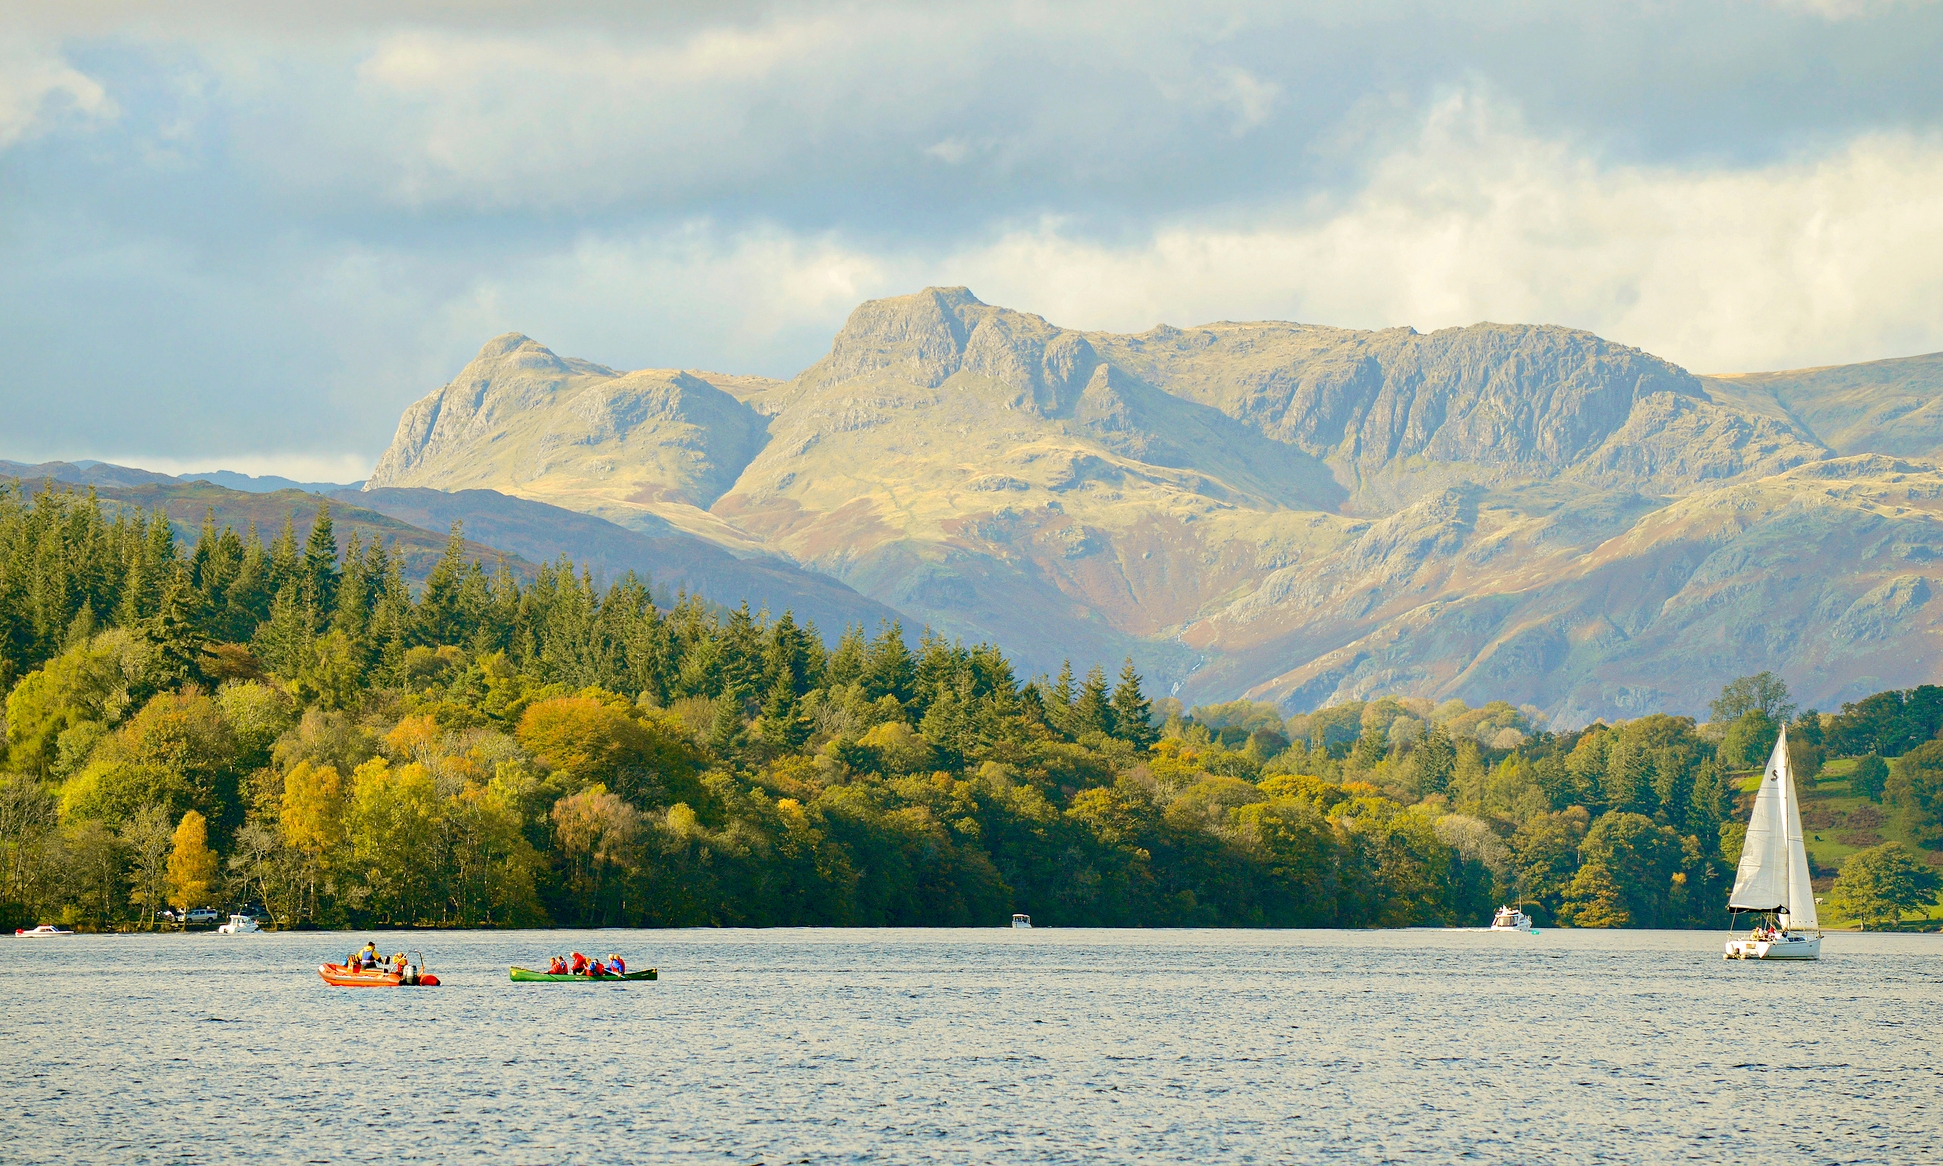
(582, 970)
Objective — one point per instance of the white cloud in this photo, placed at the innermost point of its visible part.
(38, 90)
(1251, 98)
(1817, 260)
(758, 301)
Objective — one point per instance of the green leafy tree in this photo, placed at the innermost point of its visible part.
(1878, 886)
(1870, 777)
(1763, 692)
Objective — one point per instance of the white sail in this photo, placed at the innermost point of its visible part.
(1801, 892)
(1762, 881)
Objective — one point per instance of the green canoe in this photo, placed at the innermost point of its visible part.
(529, 976)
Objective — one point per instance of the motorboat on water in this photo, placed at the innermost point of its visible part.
(1772, 879)
(1022, 921)
(391, 974)
(44, 931)
(1513, 919)
(240, 925)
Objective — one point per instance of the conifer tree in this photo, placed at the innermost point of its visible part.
(286, 564)
(320, 563)
(439, 618)
(1132, 712)
(1093, 712)
(846, 664)
(888, 668)
(174, 637)
(1436, 760)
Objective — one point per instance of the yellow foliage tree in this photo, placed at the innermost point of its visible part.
(313, 809)
(393, 827)
(192, 865)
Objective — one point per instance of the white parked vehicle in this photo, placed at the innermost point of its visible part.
(240, 925)
(200, 915)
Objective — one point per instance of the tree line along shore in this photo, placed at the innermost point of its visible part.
(290, 724)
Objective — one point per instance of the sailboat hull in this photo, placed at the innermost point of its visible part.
(1788, 947)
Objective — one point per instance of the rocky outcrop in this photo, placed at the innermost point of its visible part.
(1302, 512)
(640, 448)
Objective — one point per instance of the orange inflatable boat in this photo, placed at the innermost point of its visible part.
(344, 976)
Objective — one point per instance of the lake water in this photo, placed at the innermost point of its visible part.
(977, 1046)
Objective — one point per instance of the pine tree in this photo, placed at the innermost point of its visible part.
(320, 562)
(888, 668)
(286, 564)
(1436, 760)
(846, 664)
(174, 637)
(439, 617)
(1093, 712)
(1132, 712)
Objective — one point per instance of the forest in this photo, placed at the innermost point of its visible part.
(288, 724)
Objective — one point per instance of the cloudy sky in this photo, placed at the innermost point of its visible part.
(244, 235)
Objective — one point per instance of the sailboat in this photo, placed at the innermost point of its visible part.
(1773, 875)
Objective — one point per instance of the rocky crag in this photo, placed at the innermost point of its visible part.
(1295, 512)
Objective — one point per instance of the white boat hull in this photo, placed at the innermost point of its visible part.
(1788, 947)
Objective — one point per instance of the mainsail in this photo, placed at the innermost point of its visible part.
(1773, 874)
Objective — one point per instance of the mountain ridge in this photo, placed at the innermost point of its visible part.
(1239, 506)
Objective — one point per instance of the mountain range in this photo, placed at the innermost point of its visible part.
(1293, 512)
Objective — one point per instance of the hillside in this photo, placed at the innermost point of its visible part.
(188, 503)
(674, 561)
(1297, 512)
(415, 524)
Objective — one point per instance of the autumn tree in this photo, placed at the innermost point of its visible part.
(192, 865)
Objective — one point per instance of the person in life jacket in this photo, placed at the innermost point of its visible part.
(557, 966)
(595, 970)
(616, 965)
(578, 966)
(368, 957)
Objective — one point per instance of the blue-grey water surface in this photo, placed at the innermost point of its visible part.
(977, 1046)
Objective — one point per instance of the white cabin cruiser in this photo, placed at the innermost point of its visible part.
(1772, 879)
(1024, 921)
(240, 925)
(42, 932)
(1513, 919)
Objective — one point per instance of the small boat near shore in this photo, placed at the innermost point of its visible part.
(1513, 919)
(240, 925)
(529, 976)
(44, 931)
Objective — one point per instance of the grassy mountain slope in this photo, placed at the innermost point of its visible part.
(1883, 406)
